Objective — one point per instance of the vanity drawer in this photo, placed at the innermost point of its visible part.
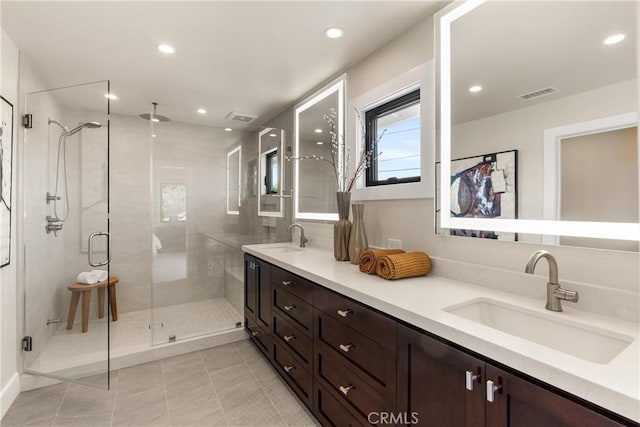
(293, 340)
(296, 285)
(369, 357)
(358, 316)
(293, 309)
(345, 381)
(298, 378)
(330, 412)
(259, 336)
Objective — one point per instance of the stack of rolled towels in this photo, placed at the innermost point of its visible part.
(93, 276)
(392, 264)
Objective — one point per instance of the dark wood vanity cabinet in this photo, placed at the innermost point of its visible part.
(431, 382)
(445, 386)
(257, 303)
(519, 402)
(355, 366)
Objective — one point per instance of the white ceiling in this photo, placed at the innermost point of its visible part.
(250, 57)
(515, 47)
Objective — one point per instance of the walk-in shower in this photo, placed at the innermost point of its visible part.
(153, 189)
(55, 222)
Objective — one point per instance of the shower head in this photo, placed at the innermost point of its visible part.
(156, 117)
(90, 125)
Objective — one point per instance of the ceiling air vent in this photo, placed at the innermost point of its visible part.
(539, 93)
(240, 117)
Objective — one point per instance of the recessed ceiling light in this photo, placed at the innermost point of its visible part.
(616, 38)
(319, 142)
(153, 135)
(228, 129)
(110, 96)
(201, 111)
(165, 48)
(474, 89)
(333, 32)
(318, 130)
(272, 135)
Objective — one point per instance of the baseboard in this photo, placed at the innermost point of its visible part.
(9, 393)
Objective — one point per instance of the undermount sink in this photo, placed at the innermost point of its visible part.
(283, 249)
(550, 330)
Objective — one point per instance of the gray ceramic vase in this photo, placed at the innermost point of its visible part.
(358, 237)
(342, 228)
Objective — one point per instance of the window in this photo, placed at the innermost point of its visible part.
(392, 131)
(271, 176)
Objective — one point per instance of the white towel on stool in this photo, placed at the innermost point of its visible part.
(87, 278)
(102, 275)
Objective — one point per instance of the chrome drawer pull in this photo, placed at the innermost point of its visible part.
(255, 333)
(470, 378)
(286, 282)
(344, 313)
(346, 348)
(345, 390)
(288, 338)
(289, 368)
(289, 307)
(491, 390)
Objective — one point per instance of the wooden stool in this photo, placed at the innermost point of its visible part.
(80, 288)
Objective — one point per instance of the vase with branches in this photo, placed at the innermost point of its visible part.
(340, 161)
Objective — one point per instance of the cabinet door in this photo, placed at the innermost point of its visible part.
(263, 289)
(250, 286)
(518, 402)
(432, 384)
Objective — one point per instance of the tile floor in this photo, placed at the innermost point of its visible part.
(230, 385)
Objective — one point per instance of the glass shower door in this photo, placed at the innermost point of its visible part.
(69, 292)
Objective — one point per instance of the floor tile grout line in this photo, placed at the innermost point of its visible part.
(164, 390)
(224, 414)
(115, 391)
(261, 357)
(64, 396)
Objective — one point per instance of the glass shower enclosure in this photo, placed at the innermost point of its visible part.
(65, 176)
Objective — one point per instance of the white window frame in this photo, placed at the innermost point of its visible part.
(420, 77)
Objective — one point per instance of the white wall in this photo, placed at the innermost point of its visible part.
(9, 381)
(412, 221)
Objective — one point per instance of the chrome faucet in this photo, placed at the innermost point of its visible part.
(555, 294)
(303, 240)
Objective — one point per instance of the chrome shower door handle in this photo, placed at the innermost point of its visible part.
(90, 253)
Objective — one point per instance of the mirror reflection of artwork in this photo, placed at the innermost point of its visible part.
(539, 86)
(484, 187)
(6, 146)
(174, 202)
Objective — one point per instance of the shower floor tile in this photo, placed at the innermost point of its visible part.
(67, 352)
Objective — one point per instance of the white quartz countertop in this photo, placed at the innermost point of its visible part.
(420, 302)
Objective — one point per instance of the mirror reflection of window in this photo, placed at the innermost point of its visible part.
(272, 171)
(174, 202)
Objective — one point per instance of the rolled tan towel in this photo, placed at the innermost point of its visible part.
(369, 259)
(398, 266)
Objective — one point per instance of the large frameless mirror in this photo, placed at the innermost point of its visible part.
(318, 156)
(538, 124)
(271, 172)
(234, 179)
